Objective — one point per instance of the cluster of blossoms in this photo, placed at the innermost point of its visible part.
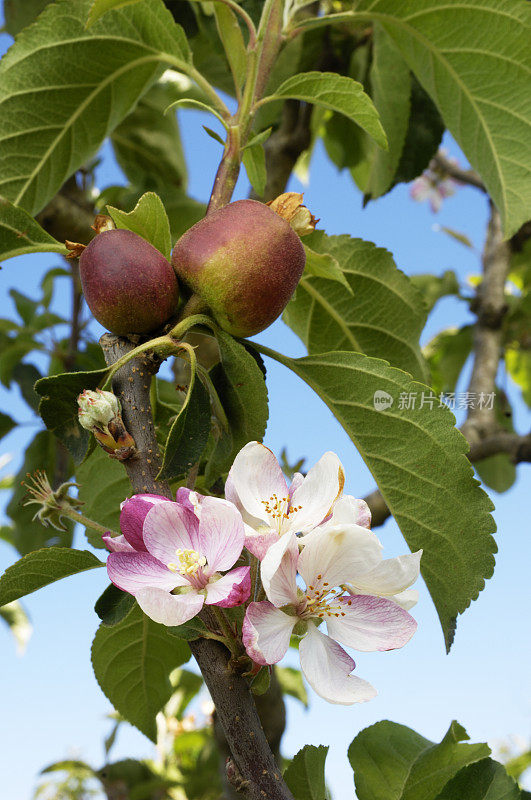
(434, 185)
(320, 563)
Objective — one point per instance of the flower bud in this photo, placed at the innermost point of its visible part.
(289, 206)
(101, 413)
(53, 505)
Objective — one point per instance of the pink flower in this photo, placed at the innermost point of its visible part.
(434, 184)
(330, 560)
(172, 561)
(270, 509)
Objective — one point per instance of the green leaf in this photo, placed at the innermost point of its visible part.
(240, 384)
(261, 681)
(190, 102)
(20, 13)
(149, 220)
(418, 460)
(434, 287)
(305, 776)
(486, 780)
(213, 135)
(390, 89)
(21, 234)
(26, 375)
(393, 762)
(147, 144)
(446, 355)
(113, 605)
(132, 662)
(323, 265)
(6, 424)
(101, 7)
(254, 162)
(518, 363)
(186, 685)
(337, 93)
(189, 631)
(19, 625)
(259, 138)
(232, 39)
(103, 486)
(42, 567)
(473, 59)
(189, 433)
(79, 85)
(291, 682)
(382, 315)
(59, 410)
(498, 472)
(424, 133)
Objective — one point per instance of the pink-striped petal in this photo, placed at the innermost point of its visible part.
(371, 623)
(133, 514)
(169, 527)
(296, 481)
(134, 571)
(221, 534)
(190, 500)
(266, 632)
(117, 544)
(259, 543)
(327, 667)
(256, 477)
(232, 589)
(317, 493)
(279, 571)
(169, 609)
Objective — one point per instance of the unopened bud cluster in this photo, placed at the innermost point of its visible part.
(101, 413)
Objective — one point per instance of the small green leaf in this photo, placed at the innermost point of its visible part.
(42, 567)
(418, 460)
(434, 287)
(518, 363)
(323, 265)
(213, 135)
(189, 433)
(393, 762)
(113, 605)
(337, 93)
(6, 424)
(232, 39)
(189, 102)
(189, 631)
(291, 682)
(100, 7)
(254, 162)
(259, 138)
(446, 355)
(485, 780)
(103, 486)
(149, 220)
(20, 234)
(132, 662)
(261, 681)
(59, 410)
(305, 775)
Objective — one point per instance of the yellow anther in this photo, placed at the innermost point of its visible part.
(189, 562)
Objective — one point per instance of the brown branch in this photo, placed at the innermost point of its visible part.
(467, 176)
(235, 708)
(481, 427)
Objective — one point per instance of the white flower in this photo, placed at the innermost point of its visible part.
(269, 507)
(332, 559)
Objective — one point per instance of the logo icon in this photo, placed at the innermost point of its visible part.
(382, 400)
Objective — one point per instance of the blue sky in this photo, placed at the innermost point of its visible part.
(51, 706)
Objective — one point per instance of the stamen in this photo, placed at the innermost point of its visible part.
(189, 562)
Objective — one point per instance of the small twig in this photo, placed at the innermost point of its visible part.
(467, 176)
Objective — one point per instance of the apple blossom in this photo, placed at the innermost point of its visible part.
(434, 185)
(330, 560)
(258, 488)
(171, 561)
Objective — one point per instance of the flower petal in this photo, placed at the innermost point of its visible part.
(134, 571)
(169, 527)
(221, 534)
(391, 576)
(117, 544)
(190, 500)
(351, 510)
(133, 514)
(317, 493)
(407, 599)
(266, 632)
(371, 623)
(339, 554)
(259, 543)
(232, 589)
(279, 571)
(297, 480)
(327, 667)
(255, 477)
(169, 609)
